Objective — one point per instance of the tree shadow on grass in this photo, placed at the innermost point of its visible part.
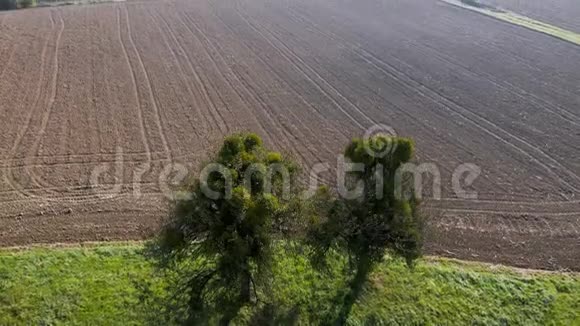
(271, 315)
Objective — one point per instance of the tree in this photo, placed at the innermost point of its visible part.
(223, 226)
(26, 3)
(374, 222)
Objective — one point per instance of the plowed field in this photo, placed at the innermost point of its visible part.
(116, 92)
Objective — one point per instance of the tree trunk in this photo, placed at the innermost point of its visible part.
(363, 269)
(245, 296)
(245, 287)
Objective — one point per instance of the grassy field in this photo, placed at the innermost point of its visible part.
(103, 285)
(538, 26)
(514, 18)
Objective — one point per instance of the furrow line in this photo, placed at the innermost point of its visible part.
(8, 61)
(290, 137)
(296, 16)
(39, 92)
(214, 112)
(152, 97)
(324, 81)
(75, 156)
(182, 73)
(240, 96)
(302, 99)
(54, 85)
(449, 102)
(438, 95)
(135, 90)
(296, 92)
(563, 113)
(289, 51)
(238, 78)
(502, 212)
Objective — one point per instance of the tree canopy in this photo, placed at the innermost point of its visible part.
(376, 221)
(228, 219)
(224, 224)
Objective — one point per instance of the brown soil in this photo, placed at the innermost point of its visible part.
(126, 88)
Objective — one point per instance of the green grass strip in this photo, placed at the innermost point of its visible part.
(104, 285)
(523, 21)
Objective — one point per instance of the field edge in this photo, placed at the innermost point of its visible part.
(522, 21)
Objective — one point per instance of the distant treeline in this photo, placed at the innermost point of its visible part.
(16, 4)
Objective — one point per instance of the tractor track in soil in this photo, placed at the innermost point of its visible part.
(125, 89)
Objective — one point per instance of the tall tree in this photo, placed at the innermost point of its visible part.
(377, 220)
(224, 224)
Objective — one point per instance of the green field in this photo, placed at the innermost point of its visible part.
(538, 26)
(516, 19)
(104, 285)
